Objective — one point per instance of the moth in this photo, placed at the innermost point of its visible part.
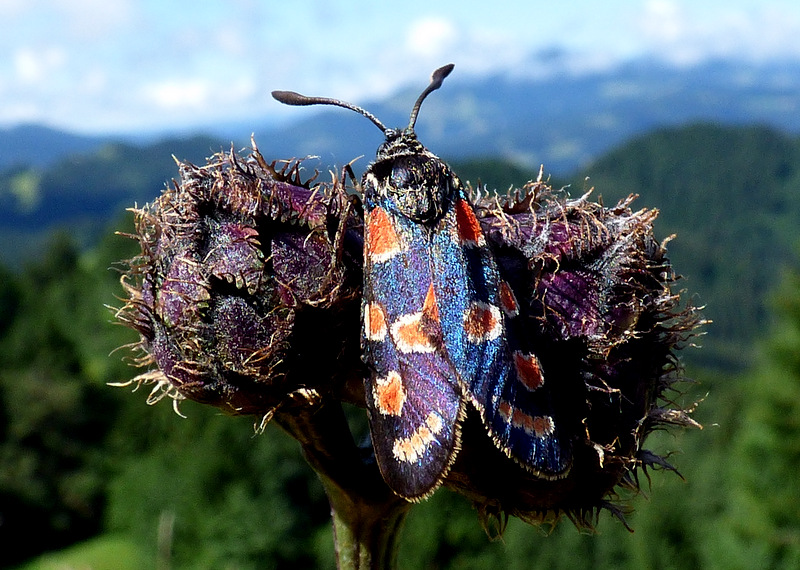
(441, 329)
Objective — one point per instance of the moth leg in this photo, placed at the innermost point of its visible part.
(347, 204)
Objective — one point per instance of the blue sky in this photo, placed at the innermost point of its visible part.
(127, 66)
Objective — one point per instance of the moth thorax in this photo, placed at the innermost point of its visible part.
(420, 186)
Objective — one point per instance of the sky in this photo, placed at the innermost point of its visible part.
(138, 66)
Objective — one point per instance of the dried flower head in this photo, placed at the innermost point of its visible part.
(596, 288)
(240, 295)
(247, 296)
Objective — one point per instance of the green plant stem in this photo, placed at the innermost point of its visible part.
(367, 517)
(366, 535)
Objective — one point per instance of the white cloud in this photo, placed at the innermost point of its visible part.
(430, 36)
(685, 34)
(231, 41)
(35, 66)
(12, 8)
(93, 18)
(178, 94)
(663, 21)
(20, 112)
(196, 99)
(772, 32)
(94, 81)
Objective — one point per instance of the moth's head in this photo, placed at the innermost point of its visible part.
(399, 143)
(417, 181)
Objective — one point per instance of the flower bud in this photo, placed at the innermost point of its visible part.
(595, 289)
(239, 294)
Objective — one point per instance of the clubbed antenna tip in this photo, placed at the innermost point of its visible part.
(292, 98)
(437, 77)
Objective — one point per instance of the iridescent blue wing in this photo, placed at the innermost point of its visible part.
(414, 401)
(481, 333)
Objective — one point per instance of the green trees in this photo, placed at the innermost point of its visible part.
(56, 409)
(763, 515)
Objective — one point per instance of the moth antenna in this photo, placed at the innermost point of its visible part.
(436, 81)
(292, 98)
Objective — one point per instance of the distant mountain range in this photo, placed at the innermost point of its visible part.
(39, 146)
(561, 121)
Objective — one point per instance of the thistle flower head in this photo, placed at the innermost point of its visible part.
(237, 272)
(247, 296)
(597, 289)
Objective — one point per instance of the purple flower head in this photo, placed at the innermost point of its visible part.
(247, 295)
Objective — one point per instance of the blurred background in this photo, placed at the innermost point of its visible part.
(693, 106)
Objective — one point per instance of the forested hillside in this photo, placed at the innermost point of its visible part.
(90, 465)
(82, 193)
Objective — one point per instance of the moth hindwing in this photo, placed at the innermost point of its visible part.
(440, 327)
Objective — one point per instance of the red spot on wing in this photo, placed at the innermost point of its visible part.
(382, 242)
(430, 309)
(411, 333)
(389, 394)
(374, 322)
(543, 425)
(505, 411)
(482, 322)
(539, 426)
(419, 332)
(508, 301)
(411, 448)
(529, 371)
(469, 230)
(522, 420)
